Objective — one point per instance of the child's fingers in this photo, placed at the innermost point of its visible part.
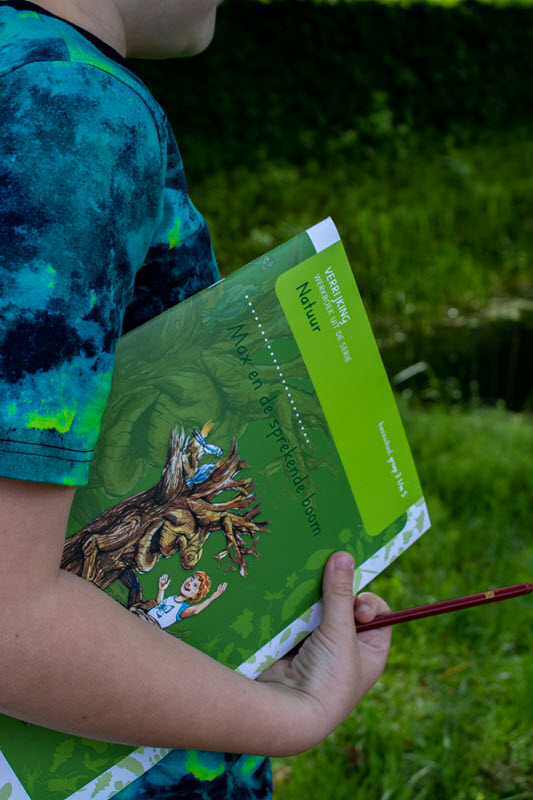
(375, 642)
(337, 590)
(368, 605)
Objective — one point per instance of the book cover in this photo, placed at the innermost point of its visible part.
(250, 432)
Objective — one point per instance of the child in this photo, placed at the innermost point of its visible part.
(98, 235)
(165, 611)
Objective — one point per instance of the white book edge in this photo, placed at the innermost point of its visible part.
(10, 786)
(323, 234)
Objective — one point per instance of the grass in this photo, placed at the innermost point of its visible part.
(451, 717)
(424, 232)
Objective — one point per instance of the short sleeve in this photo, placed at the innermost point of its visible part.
(81, 185)
(180, 261)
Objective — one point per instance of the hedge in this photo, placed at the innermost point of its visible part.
(293, 81)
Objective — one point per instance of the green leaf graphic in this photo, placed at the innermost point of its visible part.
(318, 559)
(285, 635)
(345, 535)
(265, 628)
(271, 597)
(94, 764)
(213, 645)
(408, 535)
(388, 547)
(267, 662)
(133, 765)
(359, 552)
(6, 791)
(62, 753)
(291, 604)
(99, 747)
(224, 656)
(243, 623)
(243, 654)
(64, 784)
(306, 616)
(102, 783)
(292, 579)
(30, 778)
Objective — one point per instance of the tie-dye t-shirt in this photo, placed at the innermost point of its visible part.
(97, 235)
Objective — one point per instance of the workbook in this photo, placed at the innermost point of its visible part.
(250, 432)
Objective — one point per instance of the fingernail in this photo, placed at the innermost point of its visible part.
(344, 561)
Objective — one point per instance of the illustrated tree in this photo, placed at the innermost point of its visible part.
(176, 515)
(184, 368)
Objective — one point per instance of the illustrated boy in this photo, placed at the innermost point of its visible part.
(97, 235)
(166, 611)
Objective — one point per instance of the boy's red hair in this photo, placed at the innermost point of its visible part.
(205, 585)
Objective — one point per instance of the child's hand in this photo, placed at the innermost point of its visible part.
(164, 581)
(335, 668)
(219, 590)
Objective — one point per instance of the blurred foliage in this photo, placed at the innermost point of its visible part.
(446, 228)
(293, 80)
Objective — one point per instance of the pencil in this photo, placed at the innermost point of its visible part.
(431, 609)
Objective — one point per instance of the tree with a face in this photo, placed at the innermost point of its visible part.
(175, 516)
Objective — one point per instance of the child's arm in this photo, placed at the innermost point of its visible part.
(74, 659)
(191, 611)
(164, 582)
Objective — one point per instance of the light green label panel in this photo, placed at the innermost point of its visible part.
(326, 314)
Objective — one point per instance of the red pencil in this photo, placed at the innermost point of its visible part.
(431, 609)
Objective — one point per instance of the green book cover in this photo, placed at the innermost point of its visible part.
(250, 432)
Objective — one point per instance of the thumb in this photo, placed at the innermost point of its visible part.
(337, 591)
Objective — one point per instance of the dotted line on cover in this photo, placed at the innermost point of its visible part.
(275, 361)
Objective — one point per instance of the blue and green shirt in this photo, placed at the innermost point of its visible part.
(97, 235)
